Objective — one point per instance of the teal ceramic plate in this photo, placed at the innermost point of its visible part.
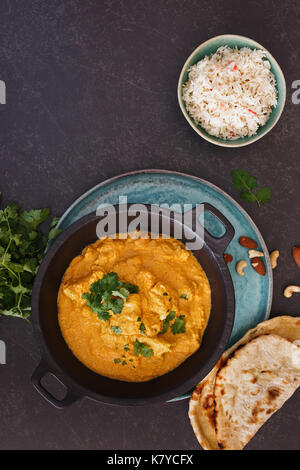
(210, 47)
(253, 293)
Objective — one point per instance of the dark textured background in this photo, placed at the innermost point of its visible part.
(91, 93)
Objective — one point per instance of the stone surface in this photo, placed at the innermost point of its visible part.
(91, 93)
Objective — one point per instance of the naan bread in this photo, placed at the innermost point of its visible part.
(260, 377)
(202, 410)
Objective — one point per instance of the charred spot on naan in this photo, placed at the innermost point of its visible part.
(208, 401)
(221, 446)
(198, 390)
(209, 406)
(255, 412)
(212, 418)
(223, 361)
(273, 393)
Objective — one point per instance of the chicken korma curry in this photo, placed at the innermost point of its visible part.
(133, 309)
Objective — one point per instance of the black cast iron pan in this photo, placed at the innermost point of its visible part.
(57, 358)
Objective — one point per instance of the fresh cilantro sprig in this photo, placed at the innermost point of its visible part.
(107, 295)
(247, 185)
(116, 329)
(177, 327)
(22, 246)
(166, 322)
(142, 348)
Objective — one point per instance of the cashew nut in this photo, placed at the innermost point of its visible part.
(255, 254)
(241, 265)
(273, 258)
(289, 291)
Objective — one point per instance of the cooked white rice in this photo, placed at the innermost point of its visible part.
(231, 93)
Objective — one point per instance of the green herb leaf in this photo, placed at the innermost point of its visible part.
(104, 316)
(242, 179)
(32, 219)
(108, 294)
(183, 296)
(54, 231)
(142, 328)
(123, 293)
(146, 351)
(246, 184)
(116, 329)
(142, 348)
(166, 322)
(117, 361)
(248, 197)
(22, 247)
(179, 325)
(136, 347)
(264, 194)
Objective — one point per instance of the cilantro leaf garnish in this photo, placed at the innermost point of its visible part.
(104, 316)
(166, 322)
(116, 329)
(22, 247)
(123, 293)
(146, 350)
(142, 328)
(126, 347)
(247, 186)
(264, 194)
(117, 360)
(53, 230)
(142, 348)
(179, 325)
(183, 296)
(108, 294)
(136, 347)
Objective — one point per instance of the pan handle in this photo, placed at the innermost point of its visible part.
(219, 244)
(43, 369)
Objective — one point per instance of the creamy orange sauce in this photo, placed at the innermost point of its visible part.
(164, 270)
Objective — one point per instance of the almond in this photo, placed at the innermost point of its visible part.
(296, 255)
(258, 265)
(248, 242)
(228, 257)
